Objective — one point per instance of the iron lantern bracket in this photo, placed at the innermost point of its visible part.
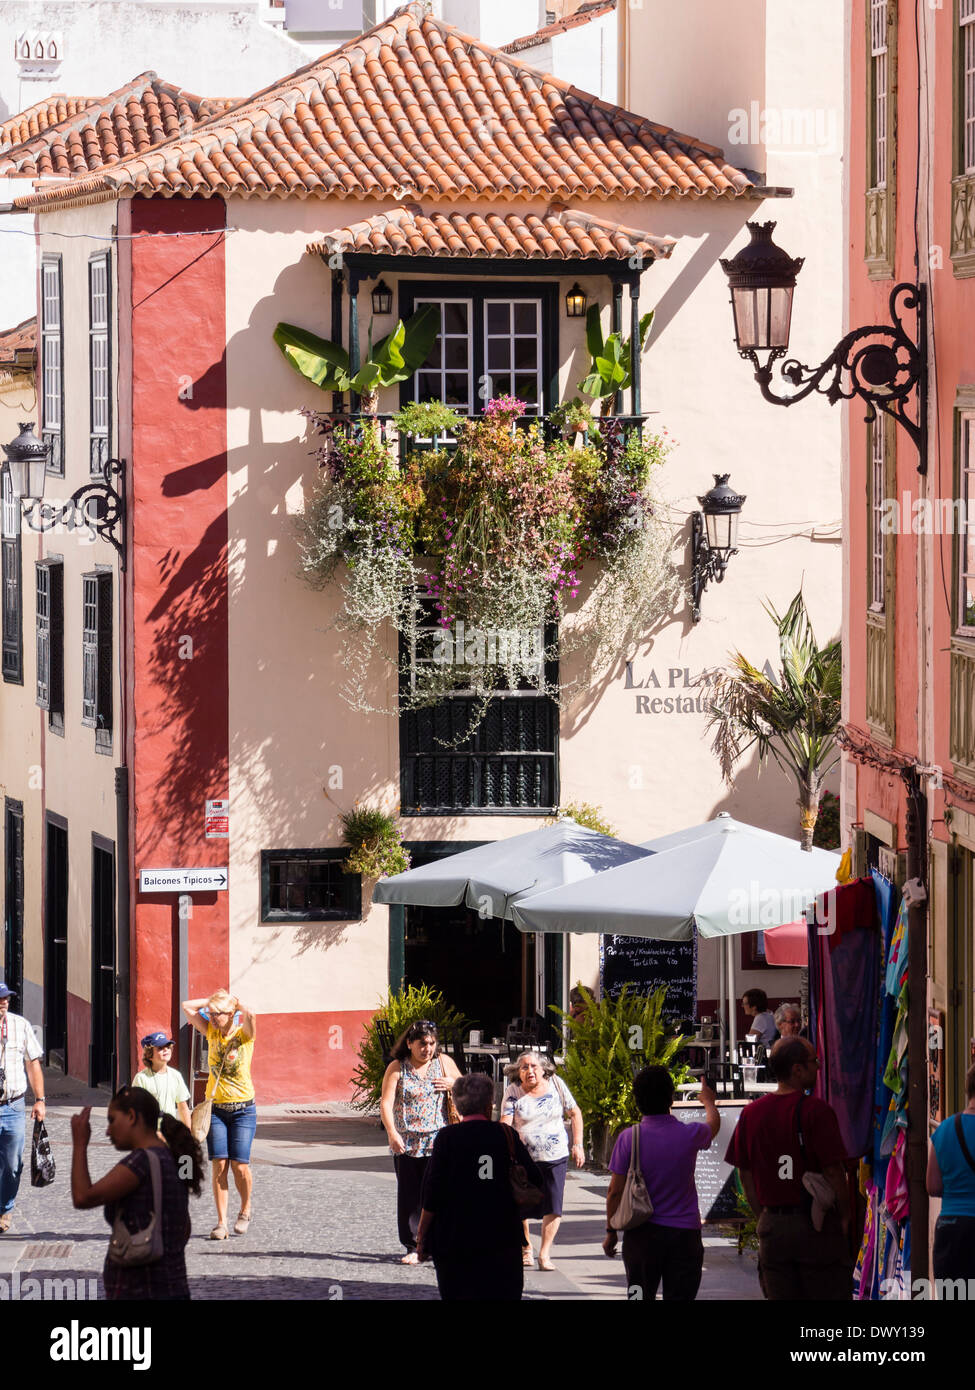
(707, 566)
(97, 507)
(881, 363)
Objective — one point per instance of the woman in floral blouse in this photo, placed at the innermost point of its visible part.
(538, 1105)
(413, 1107)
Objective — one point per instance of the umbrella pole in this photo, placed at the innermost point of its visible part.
(720, 1010)
(732, 1015)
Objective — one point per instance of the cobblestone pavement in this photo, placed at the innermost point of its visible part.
(324, 1224)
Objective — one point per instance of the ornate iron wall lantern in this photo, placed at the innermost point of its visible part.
(714, 538)
(382, 299)
(575, 302)
(96, 507)
(880, 363)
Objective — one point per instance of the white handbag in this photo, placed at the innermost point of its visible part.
(635, 1207)
(143, 1247)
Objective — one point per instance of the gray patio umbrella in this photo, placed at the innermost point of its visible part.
(721, 878)
(491, 878)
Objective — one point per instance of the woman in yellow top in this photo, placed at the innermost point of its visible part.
(230, 1030)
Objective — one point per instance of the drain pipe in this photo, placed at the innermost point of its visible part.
(123, 1058)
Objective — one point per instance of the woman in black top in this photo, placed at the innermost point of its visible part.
(133, 1127)
(470, 1225)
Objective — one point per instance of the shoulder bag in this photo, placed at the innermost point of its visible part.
(635, 1207)
(527, 1196)
(200, 1114)
(143, 1247)
(41, 1158)
(453, 1114)
(960, 1132)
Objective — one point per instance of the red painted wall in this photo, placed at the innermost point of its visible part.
(180, 738)
(307, 1057)
(79, 1036)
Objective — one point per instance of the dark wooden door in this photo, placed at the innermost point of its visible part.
(102, 1057)
(13, 898)
(56, 944)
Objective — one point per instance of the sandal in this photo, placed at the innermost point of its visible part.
(411, 1259)
(528, 1257)
(219, 1232)
(242, 1222)
(545, 1264)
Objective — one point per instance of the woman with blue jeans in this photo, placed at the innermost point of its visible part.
(230, 1030)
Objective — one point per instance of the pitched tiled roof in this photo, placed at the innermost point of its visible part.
(103, 130)
(415, 108)
(558, 234)
(550, 31)
(18, 346)
(37, 118)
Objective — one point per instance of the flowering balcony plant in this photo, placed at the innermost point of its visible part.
(471, 551)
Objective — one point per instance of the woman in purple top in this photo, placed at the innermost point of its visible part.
(668, 1247)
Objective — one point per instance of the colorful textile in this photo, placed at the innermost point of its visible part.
(887, 908)
(844, 975)
(866, 1265)
(896, 1197)
(897, 955)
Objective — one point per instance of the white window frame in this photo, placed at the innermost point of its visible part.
(511, 337)
(99, 354)
(442, 336)
(52, 361)
(880, 77)
(878, 540)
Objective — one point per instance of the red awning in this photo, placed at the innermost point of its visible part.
(787, 945)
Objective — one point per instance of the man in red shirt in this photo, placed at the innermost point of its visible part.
(777, 1139)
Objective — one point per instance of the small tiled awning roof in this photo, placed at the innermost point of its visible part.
(415, 109)
(103, 130)
(18, 346)
(557, 234)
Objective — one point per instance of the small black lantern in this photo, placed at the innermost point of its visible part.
(382, 299)
(27, 461)
(714, 537)
(762, 279)
(97, 507)
(575, 302)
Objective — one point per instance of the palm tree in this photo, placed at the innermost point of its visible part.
(794, 721)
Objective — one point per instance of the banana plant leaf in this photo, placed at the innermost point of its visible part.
(321, 362)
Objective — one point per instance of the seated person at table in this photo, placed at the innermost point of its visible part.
(762, 1027)
(788, 1020)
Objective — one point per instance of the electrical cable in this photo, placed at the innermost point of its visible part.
(114, 236)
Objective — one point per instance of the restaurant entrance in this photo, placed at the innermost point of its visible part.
(485, 967)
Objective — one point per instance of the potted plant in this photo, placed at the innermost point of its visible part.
(400, 1008)
(393, 359)
(375, 842)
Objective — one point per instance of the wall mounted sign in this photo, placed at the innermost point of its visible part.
(182, 880)
(217, 820)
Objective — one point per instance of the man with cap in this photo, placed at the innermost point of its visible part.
(158, 1076)
(20, 1054)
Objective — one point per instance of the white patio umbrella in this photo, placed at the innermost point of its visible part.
(492, 877)
(721, 878)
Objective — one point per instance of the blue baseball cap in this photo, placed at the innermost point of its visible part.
(6, 992)
(157, 1040)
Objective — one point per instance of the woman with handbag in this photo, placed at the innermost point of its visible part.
(145, 1197)
(655, 1188)
(479, 1176)
(539, 1104)
(414, 1108)
(227, 1117)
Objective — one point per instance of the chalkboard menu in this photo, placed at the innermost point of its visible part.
(645, 965)
(715, 1179)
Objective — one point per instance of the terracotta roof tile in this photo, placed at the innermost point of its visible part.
(91, 132)
(414, 108)
(15, 130)
(583, 15)
(556, 234)
(18, 345)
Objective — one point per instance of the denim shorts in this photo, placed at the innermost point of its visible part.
(232, 1133)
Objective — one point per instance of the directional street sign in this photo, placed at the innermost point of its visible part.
(181, 880)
